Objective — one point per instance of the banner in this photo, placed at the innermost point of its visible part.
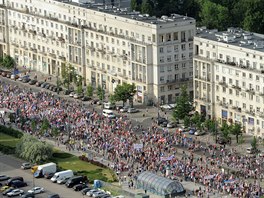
(167, 158)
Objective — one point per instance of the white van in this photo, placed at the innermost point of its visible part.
(61, 175)
(108, 113)
(109, 105)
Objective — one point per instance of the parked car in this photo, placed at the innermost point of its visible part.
(15, 192)
(124, 109)
(43, 84)
(4, 73)
(66, 92)
(91, 192)
(5, 189)
(164, 124)
(14, 77)
(198, 132)
(26, 166)
(252, 150)
(98, 194)
(48, 175)
(28, 195)
(36, 190)
(132, 110)
(26, 80)
(222, 140)
(9, 181)
(8, 75)
(171, 125)
(63, 180)
(32, 82)
(71, 94)
(105, 196)
(160, 120)
(94, 101)
(39, 83)
(54, 196)
(192, 131)
(77, 96)
(47, 86)
(85, 190)
(109, 105)
(86, 98)
(4, 177)
(79, 187)
(18, 184)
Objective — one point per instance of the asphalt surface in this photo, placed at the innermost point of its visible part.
(10, 166)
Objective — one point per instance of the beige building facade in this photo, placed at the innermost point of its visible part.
(229, 77)
(107, 46)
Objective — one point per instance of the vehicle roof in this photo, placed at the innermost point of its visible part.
(46, 165)
(108, 111)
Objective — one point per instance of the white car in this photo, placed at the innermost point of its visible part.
(72, 94)
(36, 190)
(119, 196)
(98, 194)
(124, 109)
(91, 192)
(15, 192)
(132, 110)
(198, 132)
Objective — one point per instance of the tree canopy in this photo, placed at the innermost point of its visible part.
(124, 92)
(183, 105)
(8, 62)
(219, 14)
(30, 149)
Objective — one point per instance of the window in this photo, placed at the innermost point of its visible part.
(162, 89)
(162, 59)
(183, 47)
(230, 91)
(176, 48)
(161, 49)
(161, 69)
(176, 67)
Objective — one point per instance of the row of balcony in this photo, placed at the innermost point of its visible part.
(181, 80)
(239, 109)
(242, 66)
(208, 79)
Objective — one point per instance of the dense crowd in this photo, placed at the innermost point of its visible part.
(151, 149)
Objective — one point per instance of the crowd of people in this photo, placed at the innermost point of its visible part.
(169, 154)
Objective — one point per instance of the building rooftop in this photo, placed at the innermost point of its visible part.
(233, 36)
(126, 13)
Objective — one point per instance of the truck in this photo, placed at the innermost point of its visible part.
(61, 175)
(44, 169)
(34, 168)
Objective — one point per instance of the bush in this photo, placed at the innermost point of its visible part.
(86, 159)
(7, 149)
(10, 131)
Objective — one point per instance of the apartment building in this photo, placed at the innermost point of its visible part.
(229, 77)
(106, 45)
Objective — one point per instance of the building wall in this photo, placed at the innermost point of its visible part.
(229, 83)
(106, 48)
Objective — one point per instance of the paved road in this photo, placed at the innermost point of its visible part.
(10, 166)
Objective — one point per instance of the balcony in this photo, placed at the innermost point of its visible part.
(250, 91)
(224, 84)
(238, 109)
(261, 94)
(250, 112)
(33, 49)
(236, 87)
(223, 104)
(62, 58)
(52, 55)
(260, 114)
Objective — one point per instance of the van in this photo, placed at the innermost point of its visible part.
(34, 168)
(108, 113)
(75, 180)
(109, 105)
(9, 182)
(61, 175)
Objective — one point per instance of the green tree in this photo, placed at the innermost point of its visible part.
(183, 105)
(100, 93)
(89, 90)
(134, 5)
(254, 143)
(68, 75)
(146, 7)
(79, 84)
(30, 149)
(236, 130)
(225, 131)
(8, 62)
(214, 15)
(34, 125)
(124, 92)
(187, 121)
(55, 131)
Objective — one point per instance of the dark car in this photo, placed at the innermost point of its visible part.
(48, 175)
(54, 196)
(75, 180)
(222, 140)
(39, 83)
(85, 190)
(26, 80)
(86, 98)
(43, 84)
(9, 181)
(18, 184)
(8, 75)
(28, 195)
(32, 82)
(4, 177)
(95, 101)
(79, 187)
(47, 86)
(160, 120)
(66, 92)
